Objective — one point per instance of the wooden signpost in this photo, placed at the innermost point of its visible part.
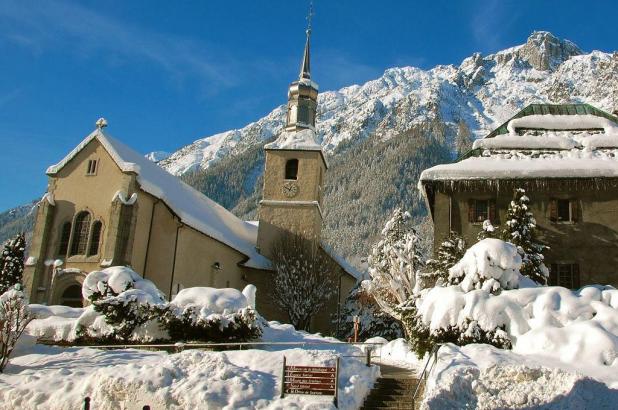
(312, 380)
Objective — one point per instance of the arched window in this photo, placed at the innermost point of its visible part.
(72, 296)
(80, 233)
(291, 169)
(95, 238)
(65, 235)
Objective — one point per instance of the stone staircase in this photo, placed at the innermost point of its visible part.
(394, 390)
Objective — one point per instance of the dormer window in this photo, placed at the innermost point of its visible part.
(92, 167)
(291, 169)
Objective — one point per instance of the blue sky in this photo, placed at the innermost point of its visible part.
(166, 73)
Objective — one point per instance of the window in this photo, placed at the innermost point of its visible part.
(95, 238)
(563, 210)
(565, 275)
(291, 169)
(72, 296)
(65, 235)
(80, 233)
(480, 210)
(92, 167)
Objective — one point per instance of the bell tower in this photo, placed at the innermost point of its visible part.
(295, 167)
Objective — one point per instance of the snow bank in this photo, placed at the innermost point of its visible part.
(43, 311)
(569, 326)
(484, 377)
(53, 378)
(490, 264)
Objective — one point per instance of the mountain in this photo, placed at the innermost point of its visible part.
(379, 136)
(482, 91)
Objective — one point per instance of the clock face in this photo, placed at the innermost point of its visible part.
(290, 189)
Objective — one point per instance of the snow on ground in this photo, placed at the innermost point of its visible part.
(48, 377)
(484, 377)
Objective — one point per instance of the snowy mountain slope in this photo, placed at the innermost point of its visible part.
(483, 91)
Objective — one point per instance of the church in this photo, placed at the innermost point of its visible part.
(107, 205)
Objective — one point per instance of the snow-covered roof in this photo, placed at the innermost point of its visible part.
(303, 140)
(345, 265)
(567, 145)
(192, 207)
(574, 163)
(562, 122)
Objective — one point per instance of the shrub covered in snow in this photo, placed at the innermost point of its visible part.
(490, 264)
(14, 317)
(488, 267)
(213, 315)
(127, 308)
(124, 298)
(520, 230)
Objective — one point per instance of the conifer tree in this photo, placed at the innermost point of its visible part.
(520, 230)
(451, 250)
(12, 262)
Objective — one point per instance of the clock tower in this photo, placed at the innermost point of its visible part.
(295, 168)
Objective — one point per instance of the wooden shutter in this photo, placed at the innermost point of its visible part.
(553, 210)
(575, 273)
(471, 210)
(574, 210)
(491, 212)
(553, 274)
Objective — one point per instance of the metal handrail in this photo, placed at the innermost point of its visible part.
(182, 345)
(424, 374)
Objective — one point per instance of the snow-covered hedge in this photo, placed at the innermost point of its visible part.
(127, 308)
(441, 315)
(210, 314)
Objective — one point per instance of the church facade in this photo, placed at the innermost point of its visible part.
(107, 205)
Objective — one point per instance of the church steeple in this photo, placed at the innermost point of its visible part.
(303, 93)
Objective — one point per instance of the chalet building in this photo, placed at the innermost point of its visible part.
(107, 205)
(566, 158)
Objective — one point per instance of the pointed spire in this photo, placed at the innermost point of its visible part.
(305, 68)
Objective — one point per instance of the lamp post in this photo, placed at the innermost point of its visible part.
(339, 304)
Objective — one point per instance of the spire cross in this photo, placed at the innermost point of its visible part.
(309, 17)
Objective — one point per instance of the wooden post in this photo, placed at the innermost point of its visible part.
(356, 326)
(283, 378)
(87, 403)
(336, 398)
(368, 356)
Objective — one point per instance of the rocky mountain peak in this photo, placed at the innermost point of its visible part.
(544, 51)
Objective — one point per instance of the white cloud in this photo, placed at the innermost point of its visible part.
(92, 34)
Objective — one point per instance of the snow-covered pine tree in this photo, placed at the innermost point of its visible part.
(451, 250)
(303, 280)
(394, 265)
(520, 230)
(373, 322)
(12, 262)
(463, 139)
(488, 231)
